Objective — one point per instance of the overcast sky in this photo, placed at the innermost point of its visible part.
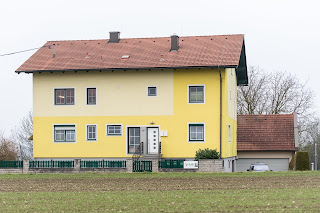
(279, 34)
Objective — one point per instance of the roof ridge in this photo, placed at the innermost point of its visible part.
(146, 38)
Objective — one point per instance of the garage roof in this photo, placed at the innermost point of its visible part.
(265, 133)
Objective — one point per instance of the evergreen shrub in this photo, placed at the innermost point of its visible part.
(207, 154)
(302, 161)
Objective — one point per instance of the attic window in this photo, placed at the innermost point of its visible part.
(125, 56)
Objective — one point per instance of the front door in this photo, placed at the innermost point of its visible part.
(153, 140)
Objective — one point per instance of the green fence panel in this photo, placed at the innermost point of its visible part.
(102, 164)
(171, 164)
(11, 164)
(142, 166)
(51, 164)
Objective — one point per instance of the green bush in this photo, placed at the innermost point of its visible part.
(302, 161)
(207, 154)
(292, 163)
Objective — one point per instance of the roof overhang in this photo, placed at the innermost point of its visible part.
(241, 70)
(125, 69)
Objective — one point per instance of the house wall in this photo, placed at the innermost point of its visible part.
(229, 112)
(271, 154)
(122, 99)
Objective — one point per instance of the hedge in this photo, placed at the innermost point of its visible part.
(302, 161)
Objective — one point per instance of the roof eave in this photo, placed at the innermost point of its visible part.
(113, 69)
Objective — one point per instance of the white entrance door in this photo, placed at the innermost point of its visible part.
(153, 140)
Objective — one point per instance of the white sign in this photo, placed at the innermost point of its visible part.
(190, 164)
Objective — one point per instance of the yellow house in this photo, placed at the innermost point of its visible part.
(167, 97)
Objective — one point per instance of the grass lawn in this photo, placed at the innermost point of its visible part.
(161, 192)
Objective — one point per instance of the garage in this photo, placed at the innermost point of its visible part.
(275, 164)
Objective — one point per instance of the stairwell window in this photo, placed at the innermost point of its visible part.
(196, 132)
(196, 94)
(91, 96)
(91, 130)
(64, 133)
(64, 96)
(229, 133)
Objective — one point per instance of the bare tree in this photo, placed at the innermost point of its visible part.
(8, 149)
(274, 93)
(22, 134)
(251, 99)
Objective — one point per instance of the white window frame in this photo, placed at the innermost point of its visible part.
(121, 130)
(152, 95)
(54, 96)
(229, 133)
(75, 133)
(196, 85)
(204, 132)
(87, 96)
(87, 133)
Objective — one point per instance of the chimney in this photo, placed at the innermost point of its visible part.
(174, 43)
(53, 51)
(114, 37)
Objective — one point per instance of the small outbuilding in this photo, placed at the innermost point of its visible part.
(270, 139)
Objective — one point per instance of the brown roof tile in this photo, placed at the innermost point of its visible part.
(194, 51)
(265, 133)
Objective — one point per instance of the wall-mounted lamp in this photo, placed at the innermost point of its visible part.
(152, 122)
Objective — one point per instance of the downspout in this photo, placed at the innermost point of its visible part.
(220, 111)
(224, 48)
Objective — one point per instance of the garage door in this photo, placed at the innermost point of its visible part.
(275, 164)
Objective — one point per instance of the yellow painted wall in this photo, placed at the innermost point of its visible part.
(130, 105)
(229, 148)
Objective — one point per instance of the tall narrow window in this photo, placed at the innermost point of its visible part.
(91, 132)
(133, 139)
(229, 133)
(196, 94)
(91, 96)
(64, 133)
(196, 132)
(64, 96)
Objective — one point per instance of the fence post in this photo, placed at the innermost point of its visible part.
(129, 165)
(25, 166)
(77, 165)
(155, 165)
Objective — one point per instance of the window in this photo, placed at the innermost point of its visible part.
(64, 96)
(133, 139)
(196, 94)
(229, 133)
(196, 132)
(91, 132)
(114, 129)
(152, 91)
(91, 96)
(64, 133)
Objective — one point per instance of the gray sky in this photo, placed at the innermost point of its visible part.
(279, 34)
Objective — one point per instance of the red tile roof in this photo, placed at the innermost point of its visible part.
(265, 133)
(194, 51)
